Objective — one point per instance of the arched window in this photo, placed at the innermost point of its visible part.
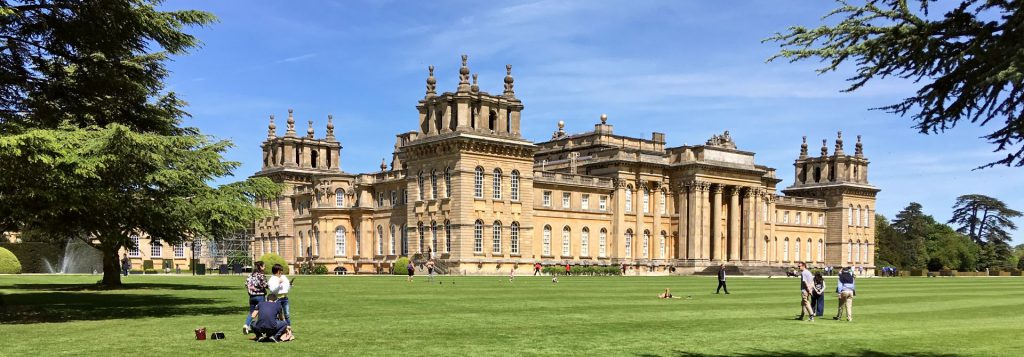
(514, 238)
(422, 235)
(478, 237)
(821, 250)
(547, 240)
(810, 250)
(421, 185)
(662, 243)
(448, 182)
(496, 238)
(764, 250)
(629, 243)
(433, 236)
(405, 240)
(447, 236)
(566, 242)
(496, 189)
(298, 250)
(849, 251)
(433, 184)
(514, 185)
(339, 242)
(857, 216)
(662, 202)
(629, 198)
(339, 198)
(392, 241)
(646, 200)
(602, 243)
(869, 218)
(850, 216)
(856, 252)
(478, 182)
(380, 240)
(647, 242)
(405, 196)
(796, 249)
(864, 252)
(585, 242)
(785, 249)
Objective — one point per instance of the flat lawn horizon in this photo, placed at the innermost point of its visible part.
(487, 315)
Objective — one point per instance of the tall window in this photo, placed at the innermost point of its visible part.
(433, 184)
(585, 242)
(405, 240)
(478, 237)
(156, 249)
(566, 243)
(514, 185)
(849, 252)
(602, 243)
(433, 236)
(514, 238)
(864, 252)
(422, 236)
(647, 240)
(359, 240)
(647, 200)
(810, 218)
(629, 243)
(496, 238)
(849, 216)
(420, 185)
(496, 189)
(478, 183)
(566, 198)
(179, 250)
(661, 243)
(339, 198)
(447, 182)
(316, 242)
(447, 236)
(821, 219)
(405, 196)
(796, 249)
(585, 201)
(134, 250)
(380, 240)
(629, 198)
(394, 198)
(856, 251)
(339, 241)
(547, 199)
(380, 199)
(799, 218)
(602, 203)
(662, 205)
(785, 217)
(810, 252)
(821, 251)
(785, 249)
(547, 240)
(392, 241)
(301, 242)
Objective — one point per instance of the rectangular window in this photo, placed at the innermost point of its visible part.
(547, 241)
(394, 198)
(629, 199)
(602, 203)
(566, 243)
(179, 250)
(134, 251)
(478, 183)
(514, 184)
(478, 238)
(496, 191)
(585, 243)
(647, 201)
(380, 199)
(810, 219)
(547, 198)
(602, 243)
(156, 248)
(496, 239)
(514, 238)
(662, 204)
(566, 199)
(785, 217)
(585, 202)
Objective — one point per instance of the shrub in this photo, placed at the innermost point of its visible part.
(147, 265)
(34, 256)
(9, 263)
(400, 266)
(270, 259)
(150, 271)
(320, 269)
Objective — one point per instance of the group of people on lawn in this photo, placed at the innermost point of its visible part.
(268, 305)
(812, 292)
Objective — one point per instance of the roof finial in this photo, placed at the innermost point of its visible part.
(291, 123)
(839, 143)
(824, 148)
(803, 148)
(509, 92)
(474, 88)
(859, 151)
(464, 75)
(604, 118)
(431, 82)
(271, 129)
(309, 132)
(383, 165)
(330, 126)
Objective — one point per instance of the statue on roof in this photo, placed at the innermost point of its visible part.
(722, 141)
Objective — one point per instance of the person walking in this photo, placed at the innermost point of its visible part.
(721, 280)
(256, 285)
(279, 285)
(430, 271)
(536, 269)
(845, 289)
(568, 268)
(126, 265)
(411, 270)
(806, 288)
(818, 296)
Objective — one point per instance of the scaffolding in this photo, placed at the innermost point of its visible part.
(214, 252)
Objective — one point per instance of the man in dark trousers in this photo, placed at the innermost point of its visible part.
(269, 316)
(721, 280)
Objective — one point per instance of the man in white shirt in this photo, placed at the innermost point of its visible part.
(279, 285)
(806, 286)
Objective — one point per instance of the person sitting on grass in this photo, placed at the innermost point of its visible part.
(667, 295)
(269, 317)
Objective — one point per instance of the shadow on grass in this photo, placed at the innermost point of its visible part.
(761, 353)
(98, 287)
(65, 306)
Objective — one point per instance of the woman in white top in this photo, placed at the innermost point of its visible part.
(279, 285)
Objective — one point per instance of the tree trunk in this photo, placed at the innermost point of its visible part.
(111, 267)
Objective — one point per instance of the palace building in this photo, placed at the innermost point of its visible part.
(465, 188)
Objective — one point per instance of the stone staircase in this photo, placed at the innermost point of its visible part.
(736, 270)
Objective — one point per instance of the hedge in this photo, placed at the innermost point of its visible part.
(270, 259)
(34, 255)
(9, 263)
(400, 266)
(583, 270)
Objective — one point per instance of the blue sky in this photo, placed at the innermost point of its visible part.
(689, 69)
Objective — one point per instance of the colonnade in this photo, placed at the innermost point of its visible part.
(701, 214)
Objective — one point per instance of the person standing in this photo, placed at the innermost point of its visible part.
(536, 269)
(818, 298)
(268, 315)
(846, 292)
(256, 284)
(721, 280)
(126, 265)
(410, 270)
(806, 288)
(568, 268)
(430, 271)
(279, 285)
(511, 275)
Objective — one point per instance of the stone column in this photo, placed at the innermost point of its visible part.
(656, 231)
(681, 222)
(616, 243)
(716, 223)
(734, 223)
(692, 220)
(757, 240)
(748, 221)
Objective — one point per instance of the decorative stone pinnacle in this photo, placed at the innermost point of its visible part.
(291, 123)
(859, 152)
(309, 132)
(824, 148)
(474, 88)
(383, 165)
(431, 82)
(271, 129)
(839, 143)
(604, 118)
(464, 75)
(509, 92)
(330, 126)
(803, 148)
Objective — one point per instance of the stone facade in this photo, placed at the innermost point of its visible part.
(468, 190)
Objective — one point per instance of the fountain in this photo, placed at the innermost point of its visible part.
(79, 258)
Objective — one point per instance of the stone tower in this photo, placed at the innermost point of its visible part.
(842, 181)
(469, 174)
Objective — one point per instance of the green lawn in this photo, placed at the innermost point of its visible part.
(472, 316)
